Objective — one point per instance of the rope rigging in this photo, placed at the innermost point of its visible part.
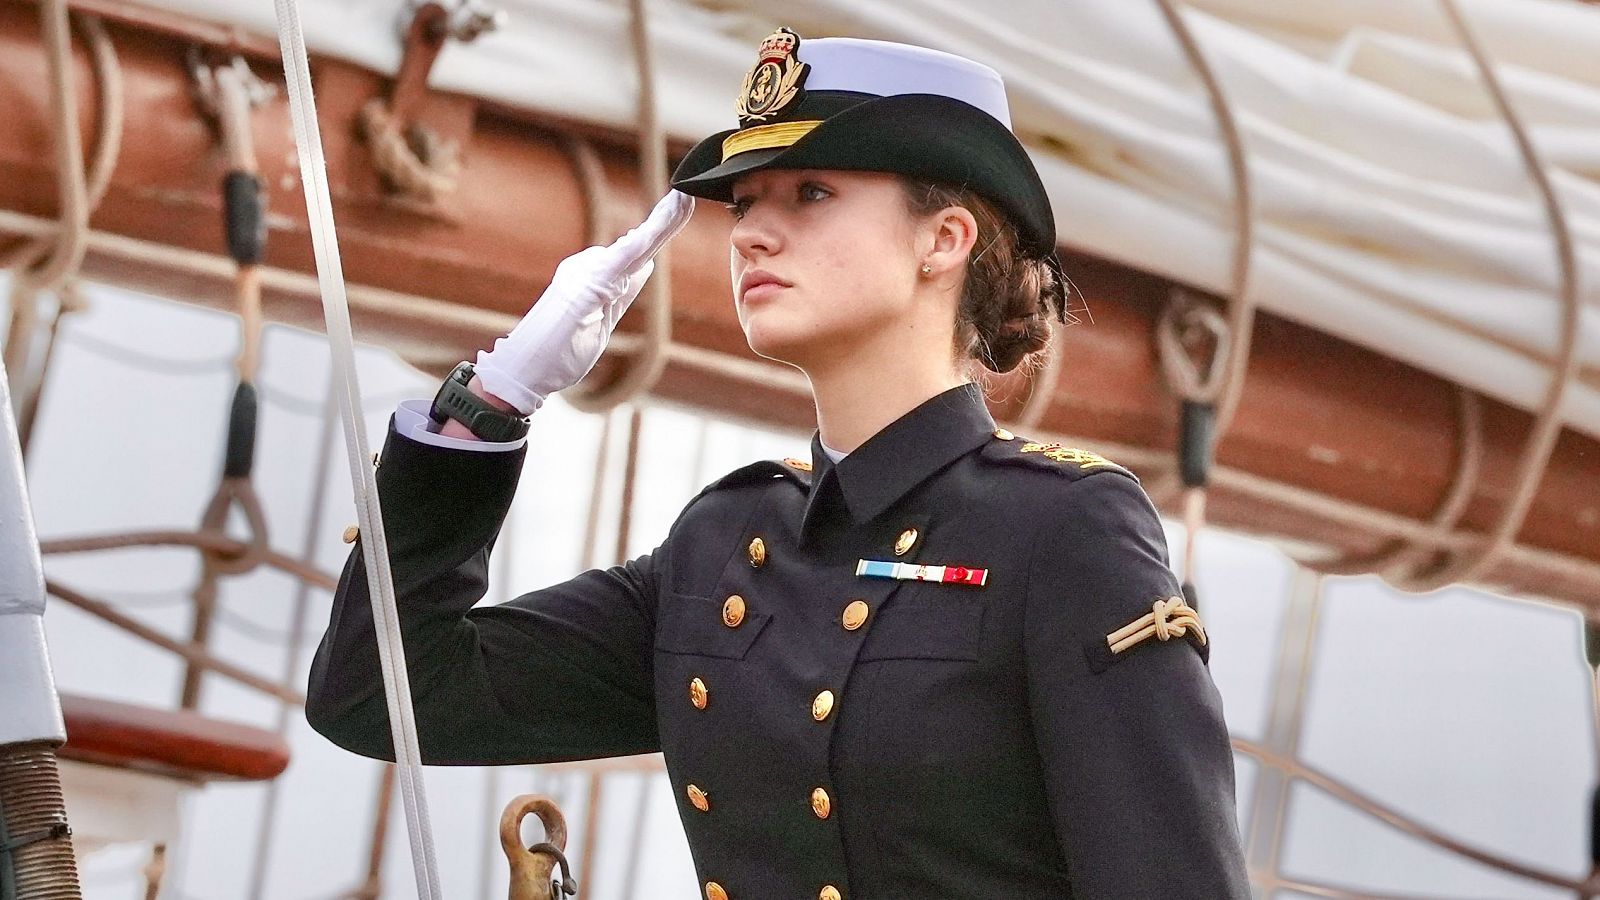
(391, 651)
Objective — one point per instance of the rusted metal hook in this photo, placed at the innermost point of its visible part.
(531, 867)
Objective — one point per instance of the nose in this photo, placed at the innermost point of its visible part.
(755, 235)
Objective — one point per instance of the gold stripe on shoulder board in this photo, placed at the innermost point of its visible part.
(1084, 458)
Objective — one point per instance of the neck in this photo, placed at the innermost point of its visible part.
(855, 402)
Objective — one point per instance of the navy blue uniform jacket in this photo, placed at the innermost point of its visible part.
(885, 739)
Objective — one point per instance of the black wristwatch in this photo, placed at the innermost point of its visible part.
(456, 401)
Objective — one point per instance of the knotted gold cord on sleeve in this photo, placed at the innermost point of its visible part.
(1168, 619)
(780, 134)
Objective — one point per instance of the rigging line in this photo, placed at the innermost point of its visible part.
(60, 256)
(1209, 406)
(68, 302)
(1270, 883)
(146, 599)
(1241, 309)
(265, 634)
(640, 374)
(290, 402)
(597, 487)
(194, 654)
(336, 314)
(139, 359)
(204, 540)
(1547, 425)
(506, 543)
(66, 236)
(71, 188)
(1398, 560)
(296, 632)
(1356, 799)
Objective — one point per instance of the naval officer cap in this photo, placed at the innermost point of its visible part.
(876, 106)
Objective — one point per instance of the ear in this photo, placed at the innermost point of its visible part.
(953, 232)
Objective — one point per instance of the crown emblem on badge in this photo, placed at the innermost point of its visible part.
(774, 83)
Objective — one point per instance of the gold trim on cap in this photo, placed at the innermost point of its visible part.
(763, 137)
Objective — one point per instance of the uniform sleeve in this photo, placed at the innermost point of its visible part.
(1137, 757)
(559, 673)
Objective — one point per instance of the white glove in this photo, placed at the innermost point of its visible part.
(562, 336)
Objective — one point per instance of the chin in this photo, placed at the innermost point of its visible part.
(772, 338)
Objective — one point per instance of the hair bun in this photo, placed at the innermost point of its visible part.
(1008, 297)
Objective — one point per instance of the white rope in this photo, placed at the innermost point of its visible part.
(336, 312)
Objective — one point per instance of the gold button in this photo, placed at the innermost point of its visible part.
(904, 541)
(714, 891)
(800, 464)
(351, 532)
(829, 892)
(820, 804)
(698, 799)
(697, 693)
(855, 615)
(733, 611)
(758, 552)
(822, 705)
(1004, 435)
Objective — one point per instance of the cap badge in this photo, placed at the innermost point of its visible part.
(774, 83)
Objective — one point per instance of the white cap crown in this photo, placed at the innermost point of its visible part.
(886, 69)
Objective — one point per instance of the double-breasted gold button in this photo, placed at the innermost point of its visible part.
(822, 705)
(820, 803)
(905, 541)
(351, 532)
(829, 892)
(855, 615)
(698, 693)
(698, 798)
(758, 552)
(733, 611)
(1004, 435)
(714, 891)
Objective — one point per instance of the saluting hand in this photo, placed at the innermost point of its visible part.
(562, 336)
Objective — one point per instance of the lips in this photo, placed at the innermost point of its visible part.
(758, 277)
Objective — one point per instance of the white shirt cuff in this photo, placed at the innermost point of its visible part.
(412, 421)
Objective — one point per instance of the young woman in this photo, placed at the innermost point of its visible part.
(935, 661)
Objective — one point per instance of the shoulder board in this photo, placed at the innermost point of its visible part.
(1008, 449)
(761, 470)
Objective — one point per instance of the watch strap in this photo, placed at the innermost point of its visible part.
(456, 400)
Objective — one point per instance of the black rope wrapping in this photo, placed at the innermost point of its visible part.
(1594, 829)
(241, 432)
(566, 886)
(242, 217)
(1197, 426)
(1196, 437)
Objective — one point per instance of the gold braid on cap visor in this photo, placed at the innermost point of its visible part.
(762, 137)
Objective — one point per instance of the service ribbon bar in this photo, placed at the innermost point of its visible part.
(877, 568)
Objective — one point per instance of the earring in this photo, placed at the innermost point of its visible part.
(927, 269)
